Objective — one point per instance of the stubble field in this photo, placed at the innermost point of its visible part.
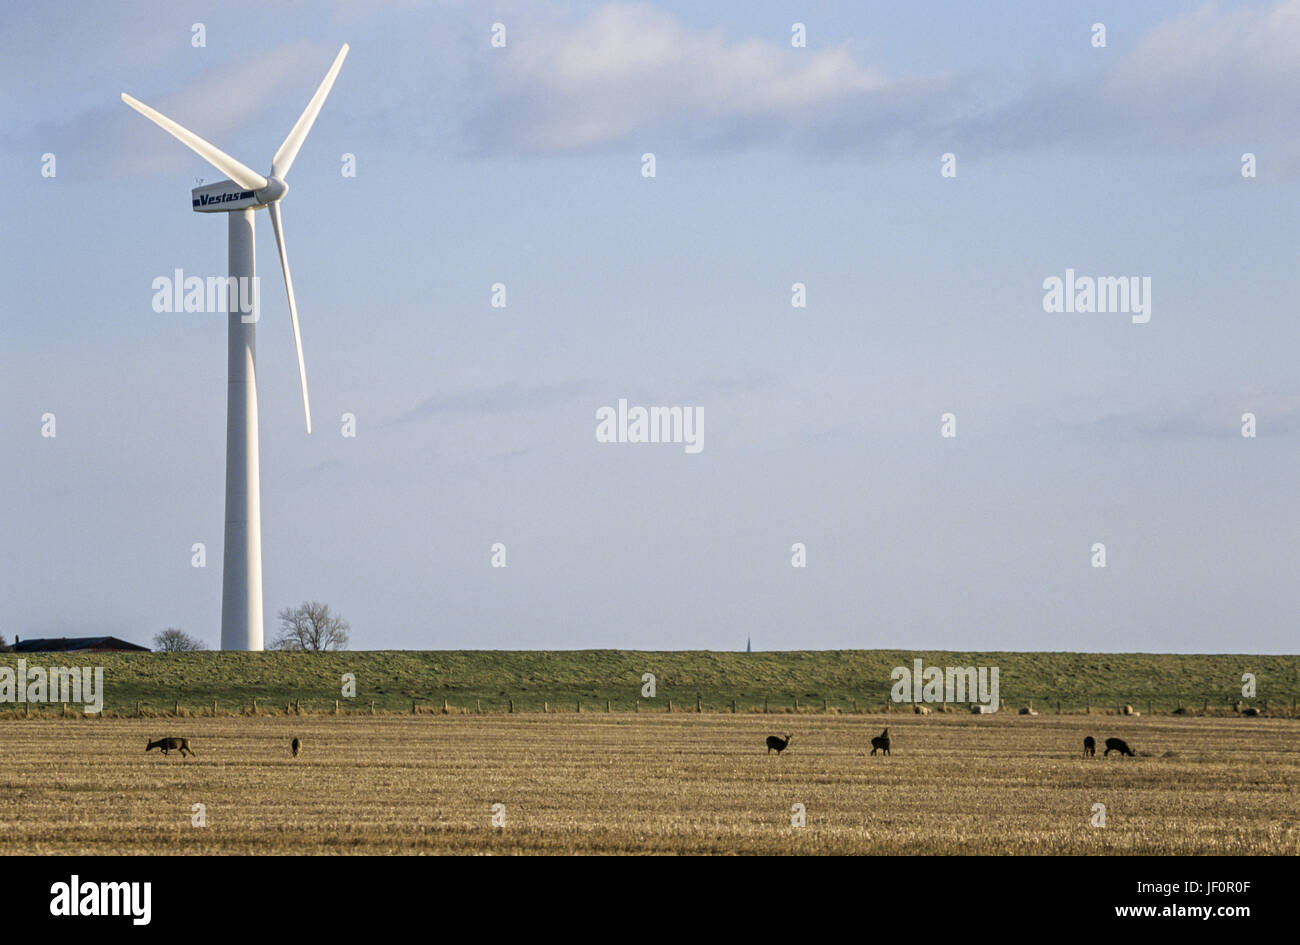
(650, 783)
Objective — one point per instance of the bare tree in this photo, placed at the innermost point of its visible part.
(312, 628)
(176, 640)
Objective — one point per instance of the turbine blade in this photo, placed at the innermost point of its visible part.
(274, 207)
(241, 174)
(284, 158)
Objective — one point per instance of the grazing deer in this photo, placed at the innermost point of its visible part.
(776, 744)
(171, 744)
(1089, 747)
(296, 748)
(881, 743)
(1119, 745)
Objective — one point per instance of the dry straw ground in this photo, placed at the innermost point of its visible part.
(650, 784)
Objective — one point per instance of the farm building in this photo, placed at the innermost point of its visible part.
(76, 645)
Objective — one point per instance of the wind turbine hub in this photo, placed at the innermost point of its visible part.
(274, 190)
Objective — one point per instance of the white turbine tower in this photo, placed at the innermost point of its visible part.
(245, 192)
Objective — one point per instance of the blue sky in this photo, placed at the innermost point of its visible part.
(775, 165)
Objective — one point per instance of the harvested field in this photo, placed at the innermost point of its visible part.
(628, 783)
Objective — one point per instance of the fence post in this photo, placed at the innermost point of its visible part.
(372, 706)
(796, 703)
(336, 707)
(512, 706)
(637, 706)
(765, 705)
(670, 705)
(579, 706)
(699, 706)
(733, 706)
(607, 708)
(138, 711)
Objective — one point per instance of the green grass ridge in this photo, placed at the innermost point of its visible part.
(560, 679)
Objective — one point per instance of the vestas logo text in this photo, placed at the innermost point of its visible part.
(207, 200)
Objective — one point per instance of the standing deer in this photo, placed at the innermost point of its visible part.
(171, 744)
(1089, 747)
(881, 743)
(777, 744)
(296, 748)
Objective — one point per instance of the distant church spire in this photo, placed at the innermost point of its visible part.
(749, 647)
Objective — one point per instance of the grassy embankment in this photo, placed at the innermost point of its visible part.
(844, 680)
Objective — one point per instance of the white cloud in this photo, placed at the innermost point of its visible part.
(630, 70)
(1208, 54)
(1207, 79)
(629, 74)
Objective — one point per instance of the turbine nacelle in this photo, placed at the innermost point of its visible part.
(225, 196)
(222, 197)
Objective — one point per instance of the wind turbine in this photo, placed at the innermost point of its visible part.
(245, 192)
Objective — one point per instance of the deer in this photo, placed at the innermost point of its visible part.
(1119, 745)
(777, 744)
(296, 748)
(171, 744)
(881, 743)
(1089, 747)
